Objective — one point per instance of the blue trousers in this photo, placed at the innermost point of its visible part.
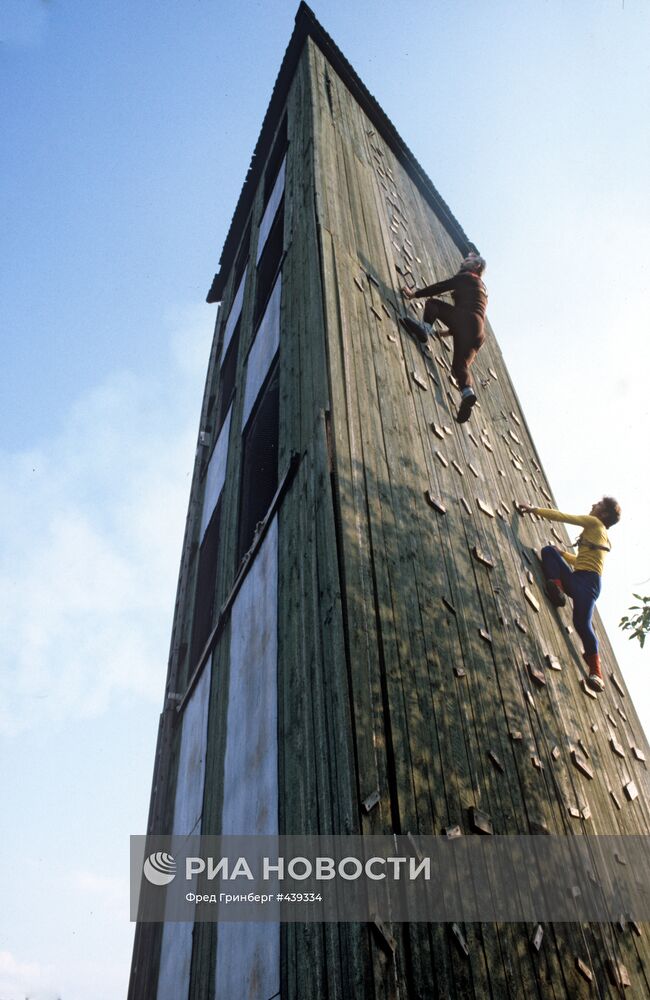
(582, 586)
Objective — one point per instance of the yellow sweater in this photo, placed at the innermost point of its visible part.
(593, 543)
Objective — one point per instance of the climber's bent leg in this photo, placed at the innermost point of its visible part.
(559, 576)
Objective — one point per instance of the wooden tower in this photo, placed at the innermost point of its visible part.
(361, 641)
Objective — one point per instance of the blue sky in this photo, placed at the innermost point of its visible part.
(126, 132)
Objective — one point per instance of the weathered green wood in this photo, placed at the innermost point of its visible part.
(381, 684)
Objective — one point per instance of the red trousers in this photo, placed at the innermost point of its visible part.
(468, 333)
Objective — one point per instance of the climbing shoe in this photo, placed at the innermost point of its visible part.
(415, 329)
(465, 408)
(555, 593)
(595, 680)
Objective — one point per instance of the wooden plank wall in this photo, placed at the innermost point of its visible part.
(452, 702)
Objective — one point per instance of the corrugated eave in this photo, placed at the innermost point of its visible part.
(307, 26)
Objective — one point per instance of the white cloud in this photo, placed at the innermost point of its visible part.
(91, 538)
(20, 979)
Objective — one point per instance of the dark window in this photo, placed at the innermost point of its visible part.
(227, 379)
(269, 264)
(206, 585)
(275, 160)
(259, 461)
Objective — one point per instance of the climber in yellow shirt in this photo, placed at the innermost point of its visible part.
(579, 575)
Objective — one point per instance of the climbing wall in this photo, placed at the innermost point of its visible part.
(422, 682)
(468, 702)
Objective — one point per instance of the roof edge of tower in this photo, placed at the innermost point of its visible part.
(307, 26)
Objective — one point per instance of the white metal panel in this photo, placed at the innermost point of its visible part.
(248, 955)
(234, 314)
(250, 803)
(175, 961)
(248, 961)
(270, 210)
(216, 474)
(188, 804)
(264, 349)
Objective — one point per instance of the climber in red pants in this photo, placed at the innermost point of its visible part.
(579, 575)
(465, 320)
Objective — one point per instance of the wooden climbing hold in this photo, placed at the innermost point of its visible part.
(520, 625)
(459, 672)
(584, 970)
(460, 940)
(466, 506)
(485, 635)
(532, 600)
(419, 381)
(587, 690)
(479, 821)
(631, 791)
(438, 431)
(452, 832)
(618, 974)
(473, 470)
(581, 765)
(639, 754)
(536, 940)
(449, 605)
(441, 458)
(371, 801)
(481, 557)
(434, 502)
(495, 760)
(537, 762)
(386, 938)
(485, 507)
(617, 684)
(552, 662)
(417, 853)
(536, 675)
(616, 747)
(359, 285)
(457, 467)
(615, 799)
(555, 752)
